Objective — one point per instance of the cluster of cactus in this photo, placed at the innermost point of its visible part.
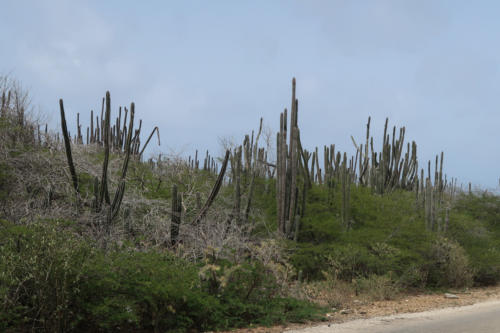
(430, 196)
(394, 167)
(245, 167)
(101, 188)
(118, 132)
(383, 171)
(388, 169)
(194, 163)
(209, 163)
(338, 171)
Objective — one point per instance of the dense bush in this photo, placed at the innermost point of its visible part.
(449, 265)
(475, 226)
(389, 238)
(50, 280)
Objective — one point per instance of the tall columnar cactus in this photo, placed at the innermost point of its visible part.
(149, 138)
(176, 215)
(255, 156)
(67, 145)
(236, 170)
(103, 192)
(3, 108)
(346, 193)
(287, 171)
(281, 153)
(292, 162)
(117, 200)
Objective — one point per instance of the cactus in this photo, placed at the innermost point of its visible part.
(149, 138)
(255, 165)
(79, 129)
(306, 156)
(281, 171)
(103, 193)
(176, 215)
(67, 145)
(115, 206)
(294, 137)
(94, 135)
(214, 192)
(288, 163)
(346, 193)
(236, 168)
(3, 108)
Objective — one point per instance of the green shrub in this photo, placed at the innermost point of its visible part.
(449, 265)
(474, 225)
(310, 259)
(126, 290)
(249, 293)
(51, 280)
(40, 276)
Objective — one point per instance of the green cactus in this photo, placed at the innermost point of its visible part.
(67, 145)
(176, 215)
(214, 192)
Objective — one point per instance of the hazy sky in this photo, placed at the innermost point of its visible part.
(204, 70)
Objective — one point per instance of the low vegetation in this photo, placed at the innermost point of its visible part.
(95, 237)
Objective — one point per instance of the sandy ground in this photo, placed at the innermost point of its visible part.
(403, 304)
(478, 318)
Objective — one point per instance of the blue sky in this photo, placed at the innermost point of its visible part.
(204, 70)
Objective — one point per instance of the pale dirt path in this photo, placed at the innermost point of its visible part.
(478, 318)
(404, 304)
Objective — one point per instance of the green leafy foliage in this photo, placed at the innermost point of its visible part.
(475, 226)
(389, 238)
(52, 280)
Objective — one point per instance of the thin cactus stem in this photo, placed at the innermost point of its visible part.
(214, 192)
(92, 126)
(293, 161)
(115, 206)
(106, 135)
(250, 195)
(236, 169)
(3, 108)
(149, 138)
(175, 219)
(79, 129)
(67, 145)
(102, 120)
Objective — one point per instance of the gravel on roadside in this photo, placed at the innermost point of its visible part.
(402, 304)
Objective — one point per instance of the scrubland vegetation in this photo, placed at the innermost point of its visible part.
(94, 236)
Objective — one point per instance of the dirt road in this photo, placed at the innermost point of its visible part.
(478, 318)
(401, 307)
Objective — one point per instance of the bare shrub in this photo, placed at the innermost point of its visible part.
(451, 263)
(18, 125)
(330, 292)
(377, 287)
